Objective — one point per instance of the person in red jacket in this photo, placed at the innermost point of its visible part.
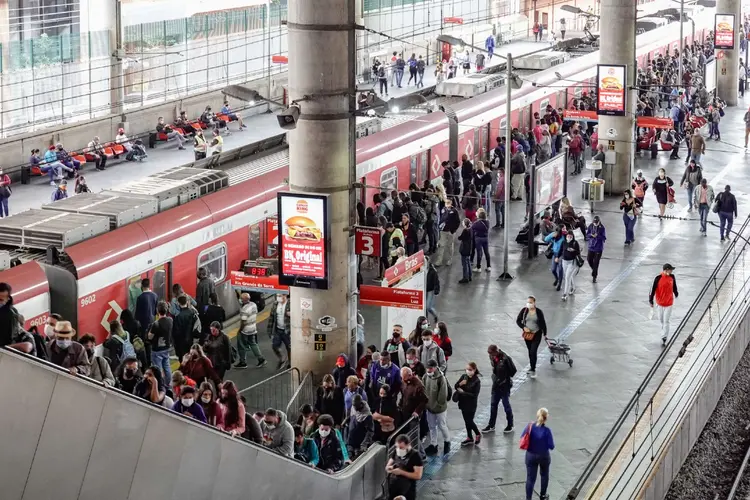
(442, 339)
(663, 292)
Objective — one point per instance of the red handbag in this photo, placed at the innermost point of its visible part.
(525, 439)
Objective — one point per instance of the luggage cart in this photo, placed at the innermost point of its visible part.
(560, 352)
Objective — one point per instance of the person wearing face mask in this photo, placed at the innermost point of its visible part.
(308, 420)
(5, 192)
(631, 208)
(178, 382)
(430, 350)
(639, 186)
(443, 340)
(503, 370)
(363, 364)
(128, 375)
(404, 469)
(197, 366)
(663, 292)
(726, 206)
(413, 402)
(571, 256)
(360, 427)
(343, 371)
(218, 349)
(703, 198)
(436, 388)
(661, 186)
(386, 416)
(596, 235)
(9, 317)
(67, 353)
(690, 180)
(234, 410)
(330, 400)
(413, 362)
(213, 410)
(533, 325)
(384, 372)
(351, 390)
(117, 347)
(49, 327)
(554, 252)
(279, 330)
(465, 248)
(247, 340)
(187, 406)
(397, 346)
(331, 447)
(305, 449)
(467, 395)
(99, 368)
(415, 337)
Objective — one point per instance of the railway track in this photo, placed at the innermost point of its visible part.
(741, 486)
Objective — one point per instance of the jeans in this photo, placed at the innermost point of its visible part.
(534, 462)
(399, 76)
(593, 259)
(663, 313)
(161, 359)
(690, 191)
(383, 86)
(280, 336)
(438, 424)
(466, 265)
(247, 343)
(420, 75)
(412, 75)
(577, 163)
(557, 271)
(176, 135)
(629, 227)
(431, 304)
(4, 207)
(697, 157)
(431, 228)
(445, 249)
(471, 426)
(497, 398)
(532, 346)
(482, 245)
(500, 213)
(725, 219)
(570, 269)
(703, 211)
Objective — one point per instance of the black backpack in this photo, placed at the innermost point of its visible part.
(41, 346)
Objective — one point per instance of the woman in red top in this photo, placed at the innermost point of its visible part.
(197, 366)
(234, 410)
(210, 404)
(441, 338)
(4, 193)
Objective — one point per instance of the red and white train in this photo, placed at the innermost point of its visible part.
(221, 230)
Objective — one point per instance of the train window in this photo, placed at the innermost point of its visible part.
(214, 259)
(389, 179)
(254, 247)
(159, 283)
(503, 125)
(424, 167)
(413, 169)
(543, 106)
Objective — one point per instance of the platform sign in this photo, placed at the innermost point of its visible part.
(391, 297)
(304, 237)
(258, 282)
(724, 26)
(550, 182)
(367, 241)
(404, 302)
(611, 89)
(403, 269)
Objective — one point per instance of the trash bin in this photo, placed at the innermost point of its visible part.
(25, 174)
(592, 190)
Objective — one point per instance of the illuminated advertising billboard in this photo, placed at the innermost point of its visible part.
(304, 237)
(611, 89)
(724, 32)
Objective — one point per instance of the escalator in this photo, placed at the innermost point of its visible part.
(69, 438)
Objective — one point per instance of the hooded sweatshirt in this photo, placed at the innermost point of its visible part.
(361, 428)
(436, 388)
(279, 438)
(433, 352)
(340, 374)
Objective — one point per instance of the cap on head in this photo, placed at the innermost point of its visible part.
(668, 267)
(597, 219)
(340, 361)
(432, 364)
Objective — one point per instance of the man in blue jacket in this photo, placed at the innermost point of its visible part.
(596, 235)
(383, 373)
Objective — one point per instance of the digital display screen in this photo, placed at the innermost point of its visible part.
(258, 271)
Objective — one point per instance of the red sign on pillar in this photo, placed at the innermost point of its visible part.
(407, 266)
(390, 297)
(367, 241)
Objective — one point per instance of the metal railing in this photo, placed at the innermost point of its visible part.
(273, 392)
(305, 394)
(410, 428)
(706, 319)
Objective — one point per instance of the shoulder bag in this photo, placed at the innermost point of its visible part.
(526, 438)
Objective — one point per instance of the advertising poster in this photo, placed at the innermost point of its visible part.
(303, 233)
(611, 89)
(549, 182)
(724, 32)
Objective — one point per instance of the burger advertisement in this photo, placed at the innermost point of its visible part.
(724, 31)
(611, 90)
(303, 233)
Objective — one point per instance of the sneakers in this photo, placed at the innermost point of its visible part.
(466, 442)
(477, 439)
(554, 285)
(446, 447)
(664, 341)
(508, 429)
(462, 281)
(488, 430)
(488, 270)
(532, 373)
(181, 148)
(431, 450)
(565, 297)
(477, 269)
(261, 363)
(280, 364)
(240, 366)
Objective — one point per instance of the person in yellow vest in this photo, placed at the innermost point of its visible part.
(199, 145)
(217, 143)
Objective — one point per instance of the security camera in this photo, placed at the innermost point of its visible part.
(288, 118)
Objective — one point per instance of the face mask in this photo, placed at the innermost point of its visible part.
(627, 196)
(90, 353)
(384, 365)
(396, 335)
(359, 407)
(427, 343)
(470, 373)
(437, 331)
(64, 343)
(206, 399)
(324, 433)
(433, 373)
(401, 452)
(596, 224)
(129, 372)
(425, 326)
(279, 299)
(569, 238)
(529, 305)
(187, 403)
(49, 330)
(270, 426)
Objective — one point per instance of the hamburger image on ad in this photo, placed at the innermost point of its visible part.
(303, 237)
(303, 228)
(611, 83)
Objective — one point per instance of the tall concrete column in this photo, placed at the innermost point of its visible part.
(322, 65)
(363, 60)
(617, 46)
(117, 51)
(727, 78)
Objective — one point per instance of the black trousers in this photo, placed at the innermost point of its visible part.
(593, 259)
(471, 427)
(533, 346)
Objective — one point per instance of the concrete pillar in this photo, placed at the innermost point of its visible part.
(322, 65)
(727, 78)
(363, 59)
(617, 46)
(97, 15)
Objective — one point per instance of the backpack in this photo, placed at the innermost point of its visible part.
(721, 112)
(128, 351)
(450, 389)
(420, 216)
(41, 346)
(638, 191)
(576, 144)
(511, 366)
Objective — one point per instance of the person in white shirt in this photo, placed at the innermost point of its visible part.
(247, 339)
(135, 151)
(280, 330)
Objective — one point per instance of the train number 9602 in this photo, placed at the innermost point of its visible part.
(88, 300)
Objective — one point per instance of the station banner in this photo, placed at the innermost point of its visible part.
(304, 238)
(405, 302)
(724, 31)
(550, 182)
(611, 89)
(259, 282)
(391, 297)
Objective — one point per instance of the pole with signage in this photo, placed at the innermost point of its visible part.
(505, 274)
(682, 39)
(316, 256)
(726, 41)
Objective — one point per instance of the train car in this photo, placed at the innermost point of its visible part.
(92, 282)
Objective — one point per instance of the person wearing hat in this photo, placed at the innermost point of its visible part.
(343, 370)
(436, 388)
(61, 192)
(66, 352)
(663, 293)
(596, 235)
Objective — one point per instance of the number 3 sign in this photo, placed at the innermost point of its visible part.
(367, 241)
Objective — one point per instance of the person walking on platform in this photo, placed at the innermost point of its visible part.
(279, 330)
(467, 395)
(533, 325)
(571, 257)
(436, 387)
(726, 205)
(247, 339)
(596, 235)
(663, 292)
(503, 371)
(703, 198)
(539, 444)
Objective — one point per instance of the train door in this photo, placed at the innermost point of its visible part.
(485, 144)
(159, 284)
(424, 166)
(562, 99)
(545, 20)
(478, 151)
(413, 170)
